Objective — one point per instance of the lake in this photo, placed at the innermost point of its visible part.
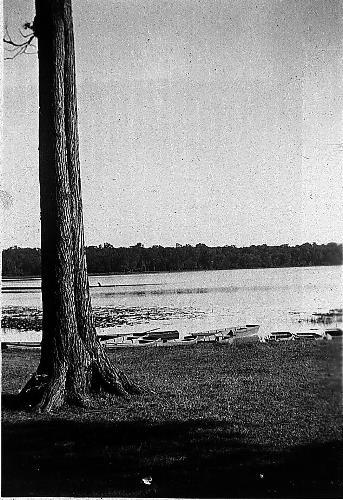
(192, 301)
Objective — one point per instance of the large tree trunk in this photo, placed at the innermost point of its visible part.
(73, 366)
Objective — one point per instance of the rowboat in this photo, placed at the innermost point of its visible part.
(140, 342)
(246, 334)
(227, 334)
(246, 339)
(187, 340)
(310, 333)
(333, 333)
(205, 336)
(227, 339)
(104, 337)
(213, 335)
(20, 345)
(132, 338)
(279, 337)
(247, 330)
(165, 336)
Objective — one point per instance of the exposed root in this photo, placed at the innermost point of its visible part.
(53, 395)
(116, 382)
(33, 391)
(129, 386)
(84, 378)
(45, 394)
(82, 401)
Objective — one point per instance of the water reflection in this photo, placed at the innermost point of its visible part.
(170, 291)
(212, 298)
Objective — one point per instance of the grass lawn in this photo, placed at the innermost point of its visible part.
(215, 421)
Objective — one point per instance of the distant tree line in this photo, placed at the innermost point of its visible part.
(106, 259)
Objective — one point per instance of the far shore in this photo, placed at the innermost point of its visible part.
(133, 273)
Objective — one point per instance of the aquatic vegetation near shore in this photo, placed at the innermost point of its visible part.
(30, 318)
(22, 318)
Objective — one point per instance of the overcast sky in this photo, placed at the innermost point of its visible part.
(213, 121)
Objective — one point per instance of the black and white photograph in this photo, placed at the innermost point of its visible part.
(171, 235)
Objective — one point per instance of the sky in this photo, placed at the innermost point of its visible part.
(209, 121)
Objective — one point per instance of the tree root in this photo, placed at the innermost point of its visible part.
(42, 393)
(45, 394)
(116, 382)
(32, 393)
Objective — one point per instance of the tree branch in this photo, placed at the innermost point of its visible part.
(19, 48)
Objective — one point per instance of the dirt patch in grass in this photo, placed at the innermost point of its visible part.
(214, 421)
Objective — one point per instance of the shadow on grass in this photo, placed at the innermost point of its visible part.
(11, 402)
(196, 458)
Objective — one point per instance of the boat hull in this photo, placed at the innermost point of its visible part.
(123, 345)
(279, 337)
(226, 334)
(20, 345)
(247, 331)
(333, 333)
(248, 339)
(181, 342)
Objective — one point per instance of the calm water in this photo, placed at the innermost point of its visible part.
(189, 301)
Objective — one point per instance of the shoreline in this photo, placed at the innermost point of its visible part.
(36, 277)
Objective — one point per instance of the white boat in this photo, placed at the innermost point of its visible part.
(309, 333)
(229, 333)
(246, 339)
(118, 338)
(137, 342)
(206, 337)
(151, 337)
(246, 334)
(226, 339)
(333, 333)
(187, 340)
(247, 330)
(20, 345)
(112, 337)
(279, 337)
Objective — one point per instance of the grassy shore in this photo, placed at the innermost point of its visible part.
(253, 420)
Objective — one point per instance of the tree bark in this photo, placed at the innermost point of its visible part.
(73, 366)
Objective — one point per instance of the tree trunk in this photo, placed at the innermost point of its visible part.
(73, 366)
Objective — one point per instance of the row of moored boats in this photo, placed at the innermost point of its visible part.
(308, 334)
(230, 335)
(172, 337)
(156, 338)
